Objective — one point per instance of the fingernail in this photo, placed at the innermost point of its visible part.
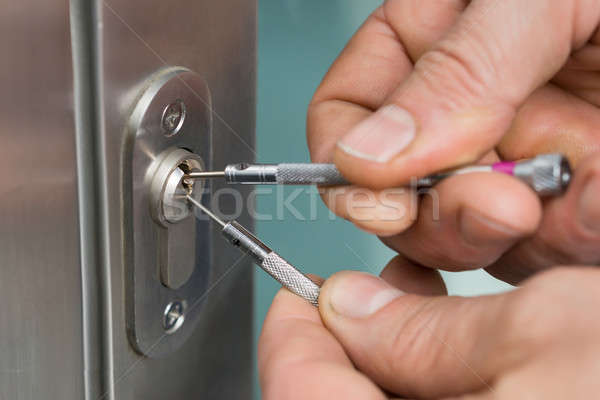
(358, 295)
(479, 230)
(589, 205)
(382, 136)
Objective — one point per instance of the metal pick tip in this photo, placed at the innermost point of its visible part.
(205, 174)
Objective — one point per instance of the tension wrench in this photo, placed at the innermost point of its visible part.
(546, 174)
(273, 264)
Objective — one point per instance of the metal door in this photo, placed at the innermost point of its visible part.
(71, 75)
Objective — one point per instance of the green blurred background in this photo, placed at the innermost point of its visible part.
(297, 42)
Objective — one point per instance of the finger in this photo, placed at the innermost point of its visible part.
(411, 278)
(569, 232)
(381, 212)
(566, 372)
(375, 61)
(548, 376)
(580, 75)
(416, 346)
(469, 221)
(371, 66)
(463, 93)
(421, 24)
(384, 212)
(299, 359)
(553, 121)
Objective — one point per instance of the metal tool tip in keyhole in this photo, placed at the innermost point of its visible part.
(205, 174)
(173, 316)
(173, 117)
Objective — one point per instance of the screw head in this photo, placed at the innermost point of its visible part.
(172, 117)
(173, 316)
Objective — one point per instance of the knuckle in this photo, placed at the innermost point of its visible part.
(411, 354)
(449, 70)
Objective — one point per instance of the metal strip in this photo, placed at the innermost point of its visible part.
(85, 19)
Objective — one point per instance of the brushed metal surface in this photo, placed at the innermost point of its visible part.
(152, 243)
(215, 39)
(41, 352)
(63, 325)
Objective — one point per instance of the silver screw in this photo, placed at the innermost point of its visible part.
(172, 117)
(173, 316)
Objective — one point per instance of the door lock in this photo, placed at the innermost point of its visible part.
(168, 252)
(169, 187)
(171, 211)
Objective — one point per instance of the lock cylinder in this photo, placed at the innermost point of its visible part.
(169, 187)
(171, 209)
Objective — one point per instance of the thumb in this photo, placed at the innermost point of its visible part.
(416, 346)
(463, 94)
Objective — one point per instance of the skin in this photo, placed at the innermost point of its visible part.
(482, 80)
(537, 342)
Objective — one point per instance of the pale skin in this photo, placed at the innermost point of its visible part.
(426, 85)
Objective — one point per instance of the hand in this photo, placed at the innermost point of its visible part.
(537, 342)
(426, 85)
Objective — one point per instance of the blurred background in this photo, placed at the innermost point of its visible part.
(297, 42)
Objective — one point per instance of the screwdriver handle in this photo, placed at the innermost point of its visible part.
(292, 279)
(546, 174)
(309, 174)
(272, 263)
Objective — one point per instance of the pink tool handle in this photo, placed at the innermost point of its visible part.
(505, 167)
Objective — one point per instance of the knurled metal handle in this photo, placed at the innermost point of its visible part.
(309, 174)
(547, 174)
(291, 278)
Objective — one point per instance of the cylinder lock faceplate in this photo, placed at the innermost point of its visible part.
(167, 251)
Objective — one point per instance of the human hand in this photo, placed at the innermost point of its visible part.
(373, 341)
(456, 82)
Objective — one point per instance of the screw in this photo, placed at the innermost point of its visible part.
(172, 117)
(173, 316)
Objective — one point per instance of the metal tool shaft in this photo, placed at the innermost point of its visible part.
(206, 211)
(546, 174)
(278, 174)
(206, 174)
(273, 264)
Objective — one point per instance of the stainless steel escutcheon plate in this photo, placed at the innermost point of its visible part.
(167, 251)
